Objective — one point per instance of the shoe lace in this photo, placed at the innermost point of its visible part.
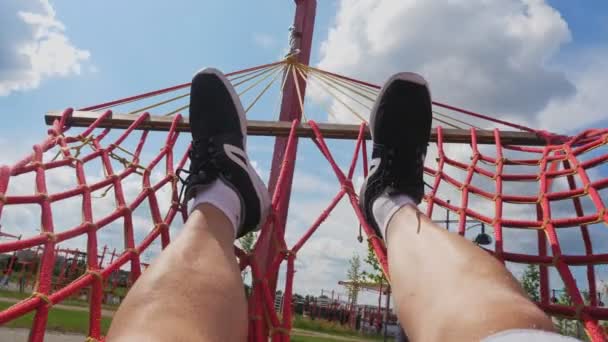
(400, 173)
(206, 160)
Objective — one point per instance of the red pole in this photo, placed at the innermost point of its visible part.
(266, 251)
(103, 255)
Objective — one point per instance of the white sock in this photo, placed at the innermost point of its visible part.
(222, 197)
(385, 206)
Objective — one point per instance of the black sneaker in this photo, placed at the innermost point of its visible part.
(400, 124)
(219, 138)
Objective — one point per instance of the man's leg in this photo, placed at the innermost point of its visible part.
(445, 288)
(193, 292)
(448, 289)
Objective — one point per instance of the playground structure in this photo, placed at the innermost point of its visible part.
(562, 188)
(373, 315)
(10, 264)
(70, 264)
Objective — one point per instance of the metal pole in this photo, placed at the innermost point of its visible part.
(266, 251)
(290, 110)
(447, 218)
(388, 302)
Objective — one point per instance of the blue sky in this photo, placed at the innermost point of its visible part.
(137, 46)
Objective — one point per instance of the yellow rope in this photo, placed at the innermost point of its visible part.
(372, 93)
(329, 111)
(277, 68)
(446, 123)
(43, 297)
(340, 83)
(277, 111)
(455, 119)
(295, 80)
(334, 86)
(266, 71)
(342, 102)
(353, 86)
(177, 110)
(263, 91)
(371, 90)
(249, 73)
(154, 105)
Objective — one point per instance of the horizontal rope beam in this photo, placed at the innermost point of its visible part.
(279, 128)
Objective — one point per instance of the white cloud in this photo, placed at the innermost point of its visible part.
(488, 56)
(264, 40)
(588, 105)
(67, 214)
(36, 48)
(479, 53)
(322, 262)
(491, 57)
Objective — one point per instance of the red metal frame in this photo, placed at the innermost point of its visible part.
(266, 252)
(271, 249)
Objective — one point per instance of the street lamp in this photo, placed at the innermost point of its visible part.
(482, 238)
(553, 296)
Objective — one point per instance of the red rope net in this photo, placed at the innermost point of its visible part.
(569, 171)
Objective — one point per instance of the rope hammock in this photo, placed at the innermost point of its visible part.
(559, 168)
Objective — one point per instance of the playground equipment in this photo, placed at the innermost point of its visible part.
(73, 265)
(482, 182)
(10, 264)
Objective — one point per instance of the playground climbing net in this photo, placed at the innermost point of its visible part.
(514, 180)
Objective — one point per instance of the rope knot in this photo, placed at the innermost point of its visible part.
(50, 236)
(43, 297)
(347, 185)
(96, 274)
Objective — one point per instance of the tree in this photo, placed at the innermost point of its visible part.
(355, 277)
(377, 275)
(530, 281)
(565, 326)
(247, 243)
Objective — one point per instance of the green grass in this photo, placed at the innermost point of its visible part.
(298, 338)
(65, 320)
(72, 302)
(13, 294)
(332, 328)
(59, 320)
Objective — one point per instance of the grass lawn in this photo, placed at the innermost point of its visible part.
(331, 328)
(297, 338)
(74, 302)
(65, 320)
(59, 320)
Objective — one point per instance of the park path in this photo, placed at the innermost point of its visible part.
(104, 312)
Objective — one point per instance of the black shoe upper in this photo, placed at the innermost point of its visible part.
(213, 111)
(400, 124)
(214, 121)
(218, 147)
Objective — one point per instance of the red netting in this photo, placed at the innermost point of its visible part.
(476, 183)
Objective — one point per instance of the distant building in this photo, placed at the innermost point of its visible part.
(278, 302)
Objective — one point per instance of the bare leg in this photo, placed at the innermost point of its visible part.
(193, 292)
(447, 289)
